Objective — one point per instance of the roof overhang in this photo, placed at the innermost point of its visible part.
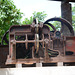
(64, 0)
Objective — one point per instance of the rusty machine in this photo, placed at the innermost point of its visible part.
(36, 43)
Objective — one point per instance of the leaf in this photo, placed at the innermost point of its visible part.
(9, 15)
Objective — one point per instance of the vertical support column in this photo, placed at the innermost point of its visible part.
(14, 51)
(46, 51)
(18, 65)
(60, 64)
(66, 13)
(38, 64)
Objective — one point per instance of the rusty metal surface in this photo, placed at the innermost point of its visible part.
(36, 39)
(63, 21)
(54, 29)
(36, 43)
(5, 38)
(31, 37)
(70, 44)
(4, 51)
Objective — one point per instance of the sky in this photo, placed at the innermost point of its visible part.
(51, 8)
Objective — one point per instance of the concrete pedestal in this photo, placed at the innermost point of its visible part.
(38, 64)
(39, 71)
(60, 64)
(18, 65)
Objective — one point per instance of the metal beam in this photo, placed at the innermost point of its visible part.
(64, 0)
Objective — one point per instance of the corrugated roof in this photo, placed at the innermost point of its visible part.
(64, 0)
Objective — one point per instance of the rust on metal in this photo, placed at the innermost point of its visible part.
(35, 43)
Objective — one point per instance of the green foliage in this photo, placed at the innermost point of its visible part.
(73, 17)
(28, 21)
(9, 15)
(56, 24)
(40, 15)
